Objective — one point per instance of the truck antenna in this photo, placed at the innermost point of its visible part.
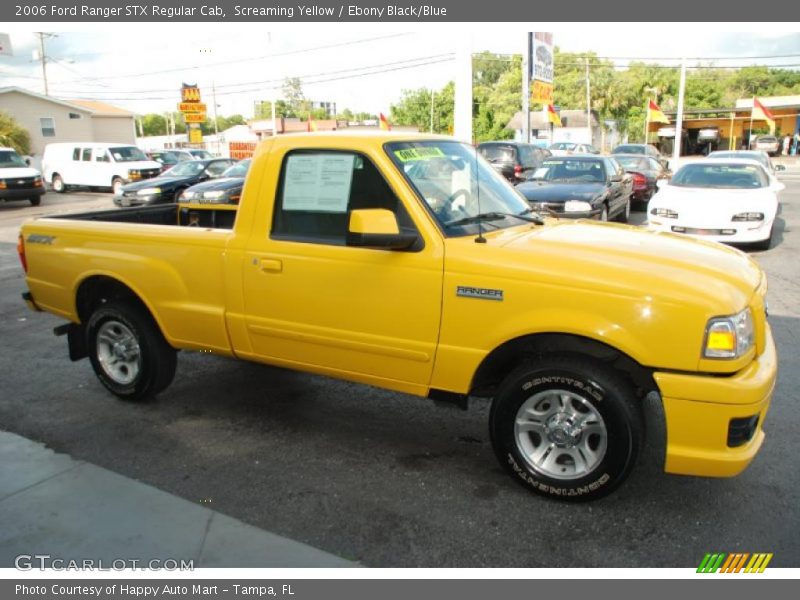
(480, 239)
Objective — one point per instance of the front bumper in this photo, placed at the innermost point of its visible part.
(21, 193)
(746, 232)
(699, 410)
(126, 201)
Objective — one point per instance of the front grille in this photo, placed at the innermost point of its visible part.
(149, 173)
(19, 183)
(741, 431)
(699, 231)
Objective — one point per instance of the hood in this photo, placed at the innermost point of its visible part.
(12, 172)
(625, 261)
(715, 204)
(162, 182)
(541, 191)
(141, 164)
(223, 183)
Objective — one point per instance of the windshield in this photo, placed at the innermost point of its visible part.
(632, 162)
(570, 169)
(456, 184)
(494, 153)
(563, 146)
(187, 168)
(237, 170)
(759, 156)
(629, 149)
(720, 176)
(127, 154)
(200, 153)
(9, 158)
(170, 157)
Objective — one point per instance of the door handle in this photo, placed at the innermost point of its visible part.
(270, 265)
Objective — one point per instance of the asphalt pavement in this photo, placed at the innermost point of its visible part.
(388, 480)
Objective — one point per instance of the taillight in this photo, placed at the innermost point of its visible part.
(21, 252)
(517, 170)
(639, 180)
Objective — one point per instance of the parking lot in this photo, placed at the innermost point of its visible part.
(387, 479)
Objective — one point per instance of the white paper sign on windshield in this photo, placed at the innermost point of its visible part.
(318, 182)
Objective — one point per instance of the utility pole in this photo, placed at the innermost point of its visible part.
(43, 57)
(588, 104)
(676, 151)
(433, 96)
(214, 99)
(526, 90)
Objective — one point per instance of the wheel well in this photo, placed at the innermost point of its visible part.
(99, 290)
(503, 359)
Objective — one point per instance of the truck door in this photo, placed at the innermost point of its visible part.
(370, 314)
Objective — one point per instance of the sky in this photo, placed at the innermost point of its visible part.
(364, 68)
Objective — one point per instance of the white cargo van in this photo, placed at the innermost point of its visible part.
(95, 164)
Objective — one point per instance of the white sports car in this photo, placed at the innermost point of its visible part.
(734, 201)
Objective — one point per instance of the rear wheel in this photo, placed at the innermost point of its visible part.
(604, 213)
(566, 427)
(58, 184)
(626, 212)
(128, 352)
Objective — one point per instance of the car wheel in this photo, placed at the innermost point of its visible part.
(35, 200)
(58, 184)
(128, 352)
(566, 427)
(604, 213)
(116, 186)
(626, 211)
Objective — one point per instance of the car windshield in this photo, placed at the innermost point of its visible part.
(464, 193)
(632, 162)
(569, 169)
(170, 157)
(127, 154)
(767, 139)
(186, 168)
(494, 153)
(9, 158)
(563, 146)
(629, 149)
(237, 170)
(734, 176)
(200, 153)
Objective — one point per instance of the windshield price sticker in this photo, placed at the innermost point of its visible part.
(419, 153)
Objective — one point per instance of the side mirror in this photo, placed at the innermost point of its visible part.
(780, 167)
(28, 162)
(377, 228)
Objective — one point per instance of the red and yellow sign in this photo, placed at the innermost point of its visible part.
(191, 107)
(541, 92)
(194, 117)
(190, 93)
(195, 136)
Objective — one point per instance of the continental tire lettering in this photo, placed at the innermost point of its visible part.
(560, 380)
(557, 491)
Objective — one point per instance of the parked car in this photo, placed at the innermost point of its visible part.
(757, 155)
(170, 185)
(646, 172)
(646, 149)
(567, 148)
(17, 180)
(768, 144)
(199, 153)
(227, 189)
(719, 199)
(95, 164)
(169, 158)
(513, 160)
(593, 187)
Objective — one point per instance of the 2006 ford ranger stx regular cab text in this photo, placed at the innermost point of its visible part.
(406, 262)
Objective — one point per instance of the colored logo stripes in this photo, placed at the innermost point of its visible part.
(734, 563)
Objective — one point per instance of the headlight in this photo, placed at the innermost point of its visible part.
(215, 195)
(134, 174)
(748, 216)
(187, 195)
(664, 212)
(729, 337)
(2, 185)
(577, 206)
(148, 191)
(37, 182)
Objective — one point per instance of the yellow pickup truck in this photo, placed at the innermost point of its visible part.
(405, 262)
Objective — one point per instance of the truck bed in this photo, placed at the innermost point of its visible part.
(180, 215)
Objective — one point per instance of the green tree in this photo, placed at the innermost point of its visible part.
(416, 107)
(14, 135)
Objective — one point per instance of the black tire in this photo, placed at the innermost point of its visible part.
(35, 200)
(603, 213)
(599, 401)
(625, 213)
(150, 365)
(58, 184)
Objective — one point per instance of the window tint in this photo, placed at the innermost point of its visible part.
(317, 190)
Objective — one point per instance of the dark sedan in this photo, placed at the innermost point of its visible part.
(646, 172)
(576, 187)
(168, 186)
(643, 149)
(225, 190)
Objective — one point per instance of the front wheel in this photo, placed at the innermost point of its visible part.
(566, 427)
(128, 352)
(116, 186)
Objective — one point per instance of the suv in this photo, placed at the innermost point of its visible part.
(768, 144)
(513, 160)
(17, 180)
